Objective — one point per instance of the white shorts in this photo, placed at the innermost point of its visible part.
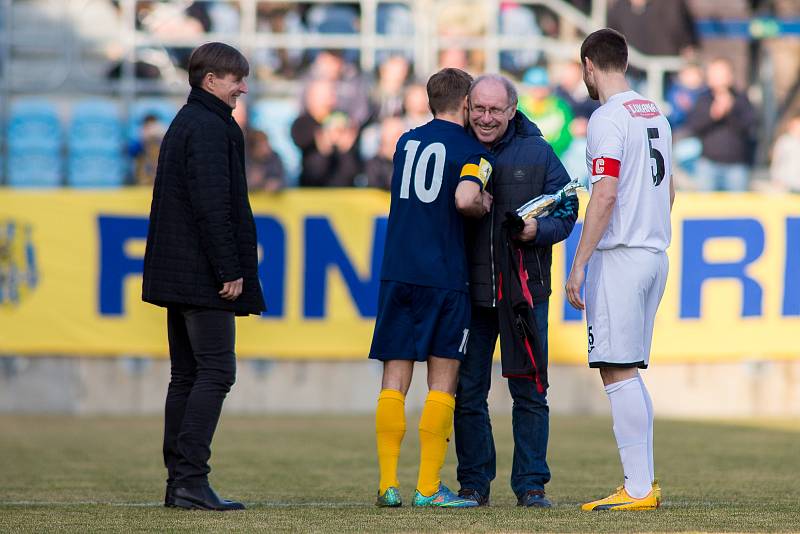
(623, 289)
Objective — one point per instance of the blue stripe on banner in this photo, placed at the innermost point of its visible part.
(747, 28)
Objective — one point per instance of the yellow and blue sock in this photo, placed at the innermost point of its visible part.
(390, 427)
(435, 427)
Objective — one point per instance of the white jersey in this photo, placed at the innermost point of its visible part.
(628, 138)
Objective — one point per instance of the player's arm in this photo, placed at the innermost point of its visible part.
(671, 192)
(471, 198)
(606, 140)
(471, 201)
(595, 223)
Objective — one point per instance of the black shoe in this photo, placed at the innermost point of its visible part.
(534, 499)
(475, 495)
(200, 498)
(169, 497)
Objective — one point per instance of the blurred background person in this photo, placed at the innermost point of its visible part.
(571, 89)
(265, 171)
(574, 157)
(549, 112)
(326, 137)
(681, 99)
(378, 169)
(656, 28)
(352, 92)
(784, 170)
(387, 95)
(723, 119)
(146, 149)
(415, 106)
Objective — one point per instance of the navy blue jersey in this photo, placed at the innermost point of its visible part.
(425, 234)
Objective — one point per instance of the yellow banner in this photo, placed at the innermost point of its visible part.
(70, 277)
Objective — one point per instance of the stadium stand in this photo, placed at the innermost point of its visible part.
(130, 55)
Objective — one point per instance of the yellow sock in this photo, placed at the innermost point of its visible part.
(435, 427)
(390, 427)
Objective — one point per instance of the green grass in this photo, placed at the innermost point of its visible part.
(318, 474)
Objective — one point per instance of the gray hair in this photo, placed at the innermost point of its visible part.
(511, 91)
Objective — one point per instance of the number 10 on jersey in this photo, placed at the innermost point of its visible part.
(420, 170)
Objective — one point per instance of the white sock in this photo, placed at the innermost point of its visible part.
(629, 414)
(649, 403)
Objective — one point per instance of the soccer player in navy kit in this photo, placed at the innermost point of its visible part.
(423, 311)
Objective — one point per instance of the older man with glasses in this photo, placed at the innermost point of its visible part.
(526, 167)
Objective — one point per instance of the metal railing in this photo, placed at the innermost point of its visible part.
(423, 45)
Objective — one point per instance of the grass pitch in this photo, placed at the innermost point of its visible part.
(319, 474)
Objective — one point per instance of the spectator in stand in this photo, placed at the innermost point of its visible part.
(415, 106)
(681, 97)
(387, 101)
(284, 18)
(785, 168)
(145, 150)
(723, 119)
(550, 113)
(264, 166)
(387, 97)
(683, 94)
(655, 27)
(327, 140)
(352, 93)
(572, 90)
(574, 158)
(519, 21)
(378, 170)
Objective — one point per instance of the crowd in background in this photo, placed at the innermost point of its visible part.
(349, 121)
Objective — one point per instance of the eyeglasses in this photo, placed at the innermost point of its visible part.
(479, 111)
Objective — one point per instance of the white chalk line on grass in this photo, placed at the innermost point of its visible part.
(277, 504)
(161, 504)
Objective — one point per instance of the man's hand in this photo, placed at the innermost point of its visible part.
(529, 231)
(486, 200)
(231, 290)
(721, 106)
(573, 287)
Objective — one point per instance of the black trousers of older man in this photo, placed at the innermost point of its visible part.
(203, 369)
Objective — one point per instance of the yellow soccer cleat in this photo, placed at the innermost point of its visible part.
(620, 500)
(657, 492)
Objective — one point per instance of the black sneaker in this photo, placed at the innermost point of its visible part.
(534, 499)
(475, 495)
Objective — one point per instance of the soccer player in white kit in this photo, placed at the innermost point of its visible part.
(626, 232)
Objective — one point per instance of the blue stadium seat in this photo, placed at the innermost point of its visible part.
(34, 124)
(34, 144)
(275, 118)
(95, 125)
(96, 169)
(34, 168)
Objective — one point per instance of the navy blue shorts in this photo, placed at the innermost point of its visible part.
(415, 322)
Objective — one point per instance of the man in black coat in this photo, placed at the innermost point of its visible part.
(525, 168)
(201, 264)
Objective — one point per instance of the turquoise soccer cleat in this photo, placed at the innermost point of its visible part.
(389, 499)
(443, 498)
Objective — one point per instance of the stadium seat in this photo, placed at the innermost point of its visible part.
(34, 124)
(275, 117)
(95, 125)
(34, 144)
(34, 168)
(96, 169)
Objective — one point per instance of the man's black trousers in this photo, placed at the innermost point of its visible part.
(203, 369)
